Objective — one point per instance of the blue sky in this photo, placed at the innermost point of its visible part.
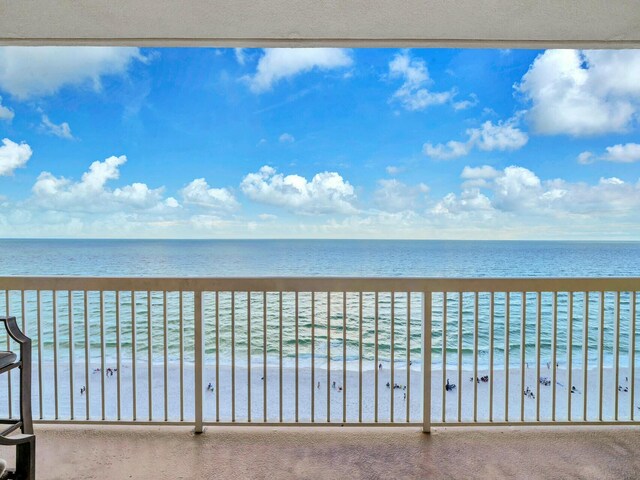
(319, 143)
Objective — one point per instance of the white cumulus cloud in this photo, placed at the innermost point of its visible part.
(199, 193)
(281, 63)
(38, 71)
(470, 201)
(91, 192)
(516, 195)
(627, 153)
(13, 155)
(475, 173)
(583, 92)
(326, 192)
(503, 136)
(620, 153)
(475, 177)
(414, 93)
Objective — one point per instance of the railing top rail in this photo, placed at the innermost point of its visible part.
(324, 284)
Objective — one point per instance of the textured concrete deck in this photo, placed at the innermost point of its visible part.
(82, 452)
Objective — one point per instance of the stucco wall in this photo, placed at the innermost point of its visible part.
(464, 23)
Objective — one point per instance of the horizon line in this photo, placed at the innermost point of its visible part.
(244, 239)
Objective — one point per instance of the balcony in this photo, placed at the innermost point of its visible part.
(174, 356)
(164, 452)
(329, 351)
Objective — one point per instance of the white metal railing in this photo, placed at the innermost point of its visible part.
(332, 351)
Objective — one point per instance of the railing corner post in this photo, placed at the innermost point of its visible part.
(199, 361)
(426, 362)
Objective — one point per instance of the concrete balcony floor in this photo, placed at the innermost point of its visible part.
(95, 452)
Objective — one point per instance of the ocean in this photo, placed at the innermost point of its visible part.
(370, 258)
(317, 258)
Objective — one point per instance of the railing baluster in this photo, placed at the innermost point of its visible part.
(150, 356)
(70, 314)
(233, 356)
(507, 352)
(297, 320)
(181, 352)
(118, 360)
(426, 361)
(617, 355)
(328, 356)
(24, 315)
(134, 375)
(87, 353)
(38, 310)
(165, 332)
(444, 355)
(632, 354)
(491, 335)
(460, 357)
(249, 357)
(375, 366)
(198, 353)
(313, 352)
(585, 360)
(55, 353)
(408, 399)
(360, 358)
(280, 353)
(538, 351)
(601, 358)
(217, 356)
(554, 358)
(523, 350)
(102, 370)
(475, 356)
(570, 354)
(344, 357)
(9, 396)
(392, 345)
(264, 355)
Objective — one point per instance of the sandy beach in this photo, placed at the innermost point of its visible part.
(464, 390)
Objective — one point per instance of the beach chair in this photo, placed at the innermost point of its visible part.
(25, 441)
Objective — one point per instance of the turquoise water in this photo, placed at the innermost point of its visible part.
(319, 258)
